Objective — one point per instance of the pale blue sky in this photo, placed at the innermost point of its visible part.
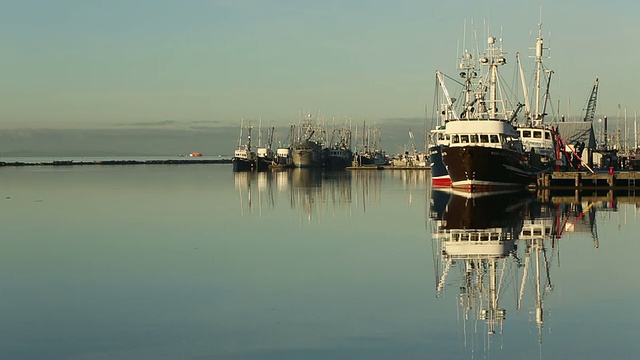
(74, 63)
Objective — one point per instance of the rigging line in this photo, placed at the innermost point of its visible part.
(452, 79)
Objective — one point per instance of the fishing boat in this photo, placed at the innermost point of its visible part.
(244, 158)
(485, 151)
(369, 152)
(265, 155)
(538, 138)
(339, 155)
(438, 141)
(307, 154)
(410, 157)
(307, 151)
(283, 157)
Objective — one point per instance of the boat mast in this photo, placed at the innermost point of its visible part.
(635, 130)
(538, 116)
(525, 91)
(493, 58)
(260, 132)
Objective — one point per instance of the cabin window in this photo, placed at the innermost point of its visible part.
(440, 136)
(526, 133)
(494, 139)
(464, 138)
(474, 138)
(454, 139)
(446, 137)
(537, 134)
(484, 138)
(547, 135)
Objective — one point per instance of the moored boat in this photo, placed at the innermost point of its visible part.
(307, 151)
(485, 151)
(244, 158)
(538, 139)
(439, 174)
(307, 154)
(338, 156)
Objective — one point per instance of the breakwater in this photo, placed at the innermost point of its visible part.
(115, 162)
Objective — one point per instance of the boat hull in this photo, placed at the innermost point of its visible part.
(240, 164)
(263, 163)
(307, 155)
(478, 168)
(339, 159)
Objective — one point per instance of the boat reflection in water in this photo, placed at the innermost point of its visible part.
(492, 246)
(477, 235)
(315, 192)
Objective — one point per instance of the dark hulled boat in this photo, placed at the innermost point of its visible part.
(485, 151)
(439, 173)
(339, 155)
(244, 158)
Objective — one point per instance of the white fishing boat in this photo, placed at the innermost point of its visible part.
(485, 151)
(538, 138)
(244, 158)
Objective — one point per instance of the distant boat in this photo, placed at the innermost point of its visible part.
(195, 154)
(339, 155)
(411, 157)
(284, 157)
(307, 154)
(244, 159)
(265, 155)
(369, 152)
(307, 151)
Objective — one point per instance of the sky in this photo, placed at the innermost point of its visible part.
(189, 64)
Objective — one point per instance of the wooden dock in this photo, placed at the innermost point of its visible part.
(581, 186)
(582, 180)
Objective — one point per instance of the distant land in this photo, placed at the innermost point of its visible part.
(162, 140)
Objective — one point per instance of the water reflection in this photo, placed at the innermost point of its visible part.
(311, 191)
(496, 252)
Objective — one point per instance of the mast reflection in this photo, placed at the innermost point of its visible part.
(491, 247)
(315, 193)
(477, 235)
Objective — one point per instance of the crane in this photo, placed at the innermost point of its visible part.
(590, 111)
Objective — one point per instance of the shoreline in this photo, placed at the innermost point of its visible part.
(116, 162)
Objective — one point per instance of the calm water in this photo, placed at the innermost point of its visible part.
(196, 262)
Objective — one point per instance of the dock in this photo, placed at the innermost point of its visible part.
(583, 180)
(581, 186)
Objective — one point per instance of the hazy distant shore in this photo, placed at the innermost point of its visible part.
(116, 162)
